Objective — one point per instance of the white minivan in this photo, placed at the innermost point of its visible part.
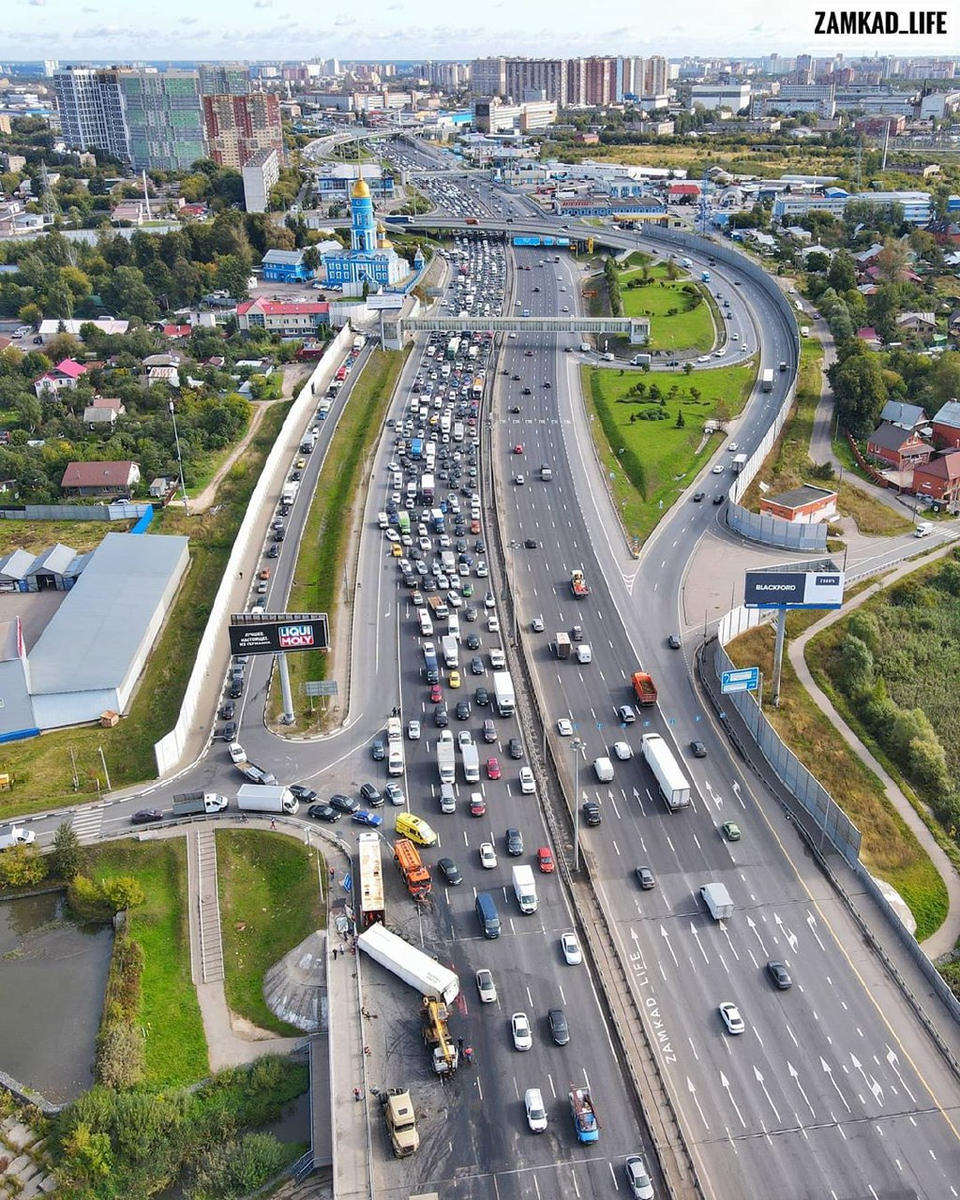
(584, 653)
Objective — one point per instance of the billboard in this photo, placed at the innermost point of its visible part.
(270, 633)
(793, 589)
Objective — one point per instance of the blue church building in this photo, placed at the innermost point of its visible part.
(371, 258)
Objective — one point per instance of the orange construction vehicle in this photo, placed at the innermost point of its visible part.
(415, 875)
(644, 687)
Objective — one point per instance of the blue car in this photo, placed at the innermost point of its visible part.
(362, 817)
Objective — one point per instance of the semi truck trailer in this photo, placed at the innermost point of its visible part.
(415, 968)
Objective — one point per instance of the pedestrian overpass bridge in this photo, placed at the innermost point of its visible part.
(637, 329)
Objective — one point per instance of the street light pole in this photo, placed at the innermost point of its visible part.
(176, 438)
(576, 746)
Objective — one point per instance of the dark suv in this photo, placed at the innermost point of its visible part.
(514, 842)
(591, 812)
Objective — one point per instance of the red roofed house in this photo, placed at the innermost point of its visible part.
(683, 193)
(900, 448)
(281, 316)
(99, 478)
(65, 374)
(939, 479)
(177, 331)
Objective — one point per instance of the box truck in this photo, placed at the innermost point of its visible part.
(197, 804)
(451, 651)
(717, 899)
(525, 889)
(503, 694)
(266, 798)
(471, 763)
(672, 782)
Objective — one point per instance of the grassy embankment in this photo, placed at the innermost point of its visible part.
(41, 768)
(319, 576)
(688, 328)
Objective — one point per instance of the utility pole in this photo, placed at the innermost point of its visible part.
(576, 746)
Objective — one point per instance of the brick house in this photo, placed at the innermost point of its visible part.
(946, 425)
(64, 376)
(906, 416)
(939, 479)
(900, 448)
(805, 505)
(99, 478)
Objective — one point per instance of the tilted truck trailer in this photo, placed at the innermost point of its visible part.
(644, 688)
(197, 804)
(267, 798)
(674, 786)
(415, 968)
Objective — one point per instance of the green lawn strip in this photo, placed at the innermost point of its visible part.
(889, 849)
(176, 1049)
(690, 328)
(318, 578)
(37, 536)
(658, 460)
(269, 902)
(41, 767)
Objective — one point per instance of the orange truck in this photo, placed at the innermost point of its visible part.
(645, 688)
(578, 584)
(415, 875)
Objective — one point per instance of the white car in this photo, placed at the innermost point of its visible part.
(536, 1113)
(486, 986)
(413, 731)
(732, 446)
(454, 599)
(237, 752)
(571, 949)
(730, 1015)
(704, 358)
(718, 469)
(488, 856)
(622, 750)
(489, 601)
(520, 1028)
(493, 623)
(537, 625)
(528, 785)
(391, 535)
(464, 738)
(519, 479)
(565, 727)
(638, 1179)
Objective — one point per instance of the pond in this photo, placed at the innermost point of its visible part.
(53, 973)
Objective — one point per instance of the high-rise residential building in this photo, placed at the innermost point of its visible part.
(260, 173)
(239, 127)
(546, 75)
(224, 79)
(49, 66)
(448, 76)
(488, 76)
(633, 76)
(147, 118)
(163, 118)
(656, 75)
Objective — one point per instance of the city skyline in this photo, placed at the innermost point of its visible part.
(389, 29)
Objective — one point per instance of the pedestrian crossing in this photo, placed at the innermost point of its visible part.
(88, 824)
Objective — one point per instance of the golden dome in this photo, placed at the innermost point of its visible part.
(360, 190)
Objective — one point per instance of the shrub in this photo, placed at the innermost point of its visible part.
(236, 1168)
(22, 866)
(120, 1052)
(856, 662)
(86, 899)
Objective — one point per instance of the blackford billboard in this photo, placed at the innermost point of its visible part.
(270, 633)
(793, 589)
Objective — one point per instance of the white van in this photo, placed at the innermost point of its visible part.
(604, 769)
(453, 626)
(397, 480)
(426, 625)
(383, 521)
(923, 529)
(584, 653)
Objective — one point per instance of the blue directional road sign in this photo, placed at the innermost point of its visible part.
(745, 680)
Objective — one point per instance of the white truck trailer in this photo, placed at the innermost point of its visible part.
(674, 785)
(504, 696)
(408, 963)
(266, 798)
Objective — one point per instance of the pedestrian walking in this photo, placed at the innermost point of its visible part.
(357, 1094)
(273, 822)
(460, 1045)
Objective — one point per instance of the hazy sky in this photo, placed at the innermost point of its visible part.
(388, 29)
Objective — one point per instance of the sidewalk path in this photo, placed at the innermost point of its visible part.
(948, 935)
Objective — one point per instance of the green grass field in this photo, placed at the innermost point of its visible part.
(269, 902)
(689, 328)
(653, 462)
(176, 1048)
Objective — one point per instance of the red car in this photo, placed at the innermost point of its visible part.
(545, 860)
(518, 449)
(436, 693)
(477, 805)
(474, 526)
(493, 768)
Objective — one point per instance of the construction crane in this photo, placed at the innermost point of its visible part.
(436, 1035)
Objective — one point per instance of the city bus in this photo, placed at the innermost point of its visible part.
(369, 879)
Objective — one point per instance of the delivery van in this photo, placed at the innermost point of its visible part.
(416, 829)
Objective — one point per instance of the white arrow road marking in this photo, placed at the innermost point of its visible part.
(693, 1092)
(791, 937)
(666, 938)
(871, 1083)
(894, 1062)
(725, 1083)
(812, 922)
(726, 933)
(693, 930)
(795, 1076)
(759, 1078)
(751, 923)
(639, 800)
(717, 800)
(736, 792)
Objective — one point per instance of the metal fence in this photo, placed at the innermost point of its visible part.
(75, 512)
(775, 531)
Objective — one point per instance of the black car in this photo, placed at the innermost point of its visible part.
(698, 496)
(228, 732)
(515, 748)
(673, 641)
(481, 697)
(547, 383)
(698, 749)
(284, 510)
(344, 804)
(379, 750)
(236, 689)
(304, 794)
(279, 535)
(514, 842)
(448, 869)
(527, 392)
(476, 665)
(463, 710)
(323, 812)
(273, 552)
(645, 878)
(371, 795)
(441, 718)
(146, 816)
(227, 710)
(481, 546)
(515, 408)
(516, 378)
(779, 974)
(296, 476)
(472, 642)
(591, 812)
(557, 1021)
(719, 498)
(531, 544)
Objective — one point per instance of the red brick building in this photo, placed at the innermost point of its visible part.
(939, 479)
(805, 505)
(897, 447)
(946, 425)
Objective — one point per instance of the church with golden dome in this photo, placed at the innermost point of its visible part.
(371, 258)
